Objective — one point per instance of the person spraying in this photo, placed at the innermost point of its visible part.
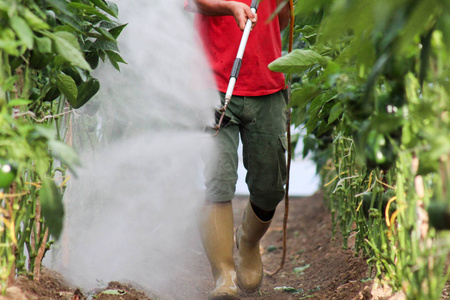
(256, 115)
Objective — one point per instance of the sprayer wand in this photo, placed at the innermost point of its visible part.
(236, 67)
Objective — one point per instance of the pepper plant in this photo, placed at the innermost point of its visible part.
(48, 49)
(371, 88)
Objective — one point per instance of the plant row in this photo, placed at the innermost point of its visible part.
(371, 88)
(48, 50)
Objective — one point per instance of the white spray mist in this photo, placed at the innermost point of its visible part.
(131, 214)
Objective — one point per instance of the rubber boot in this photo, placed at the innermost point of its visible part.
(216, 231)
(248, 235)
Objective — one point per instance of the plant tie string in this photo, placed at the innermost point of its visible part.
(289, 150)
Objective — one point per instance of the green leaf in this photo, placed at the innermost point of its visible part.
(298, 270)
(88, 9)
(67, 86)
(288, 289)
(302, 96)
(108, 24)
(23, 31)
(115, 59)
(44, 44)
(86, 91)
(115, 32)
(42, 132)
(335, 112)
(297, 61)
(8, 84)
(64, 153)
(114, 292)
(106, 34)
(113, 7)
(19, 102)
(10, 47)
(314, 112)
(60, 5)
(52, 207)
(104, 6)
(34, 21)
(105, 45)
(67, 46)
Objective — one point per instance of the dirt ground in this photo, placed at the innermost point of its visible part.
(317, 267)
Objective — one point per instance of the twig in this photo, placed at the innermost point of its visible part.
(33, 115)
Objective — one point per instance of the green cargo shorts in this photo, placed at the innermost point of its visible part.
(261, 124)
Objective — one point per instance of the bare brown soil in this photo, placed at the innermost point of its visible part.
(317, 267)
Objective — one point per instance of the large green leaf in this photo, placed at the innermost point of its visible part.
(67, 86)
(64, 153)
(23, 31)
(67, 46)
(52, 207)
(297, 61)
(34, 21)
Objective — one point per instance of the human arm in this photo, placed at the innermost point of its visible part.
(284, 15)
(240, 11)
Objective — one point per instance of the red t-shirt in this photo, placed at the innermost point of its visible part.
(221, 38)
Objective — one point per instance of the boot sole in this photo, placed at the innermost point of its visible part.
(247, 291)
(223, 297)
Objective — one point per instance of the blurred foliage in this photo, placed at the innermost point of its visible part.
(48, 49)
(371, 88)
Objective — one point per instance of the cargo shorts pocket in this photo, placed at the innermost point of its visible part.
(282, 160)
(266, 169)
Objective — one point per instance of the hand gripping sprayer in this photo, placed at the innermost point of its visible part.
(236, 67)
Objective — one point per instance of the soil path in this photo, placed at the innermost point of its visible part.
(317, 267)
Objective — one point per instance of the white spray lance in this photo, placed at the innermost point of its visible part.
(236, 66)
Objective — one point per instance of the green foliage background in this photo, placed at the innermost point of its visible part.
(48, 49)
(371, 86)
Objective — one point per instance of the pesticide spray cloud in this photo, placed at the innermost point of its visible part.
(131, 214)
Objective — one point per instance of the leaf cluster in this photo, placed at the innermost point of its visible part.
(48, 50)
(351, 62)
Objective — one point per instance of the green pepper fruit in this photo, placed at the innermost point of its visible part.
(7, 173)
(52, 94)
(379, 202)
(51, 17)
(439, 215)
(38, 60)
